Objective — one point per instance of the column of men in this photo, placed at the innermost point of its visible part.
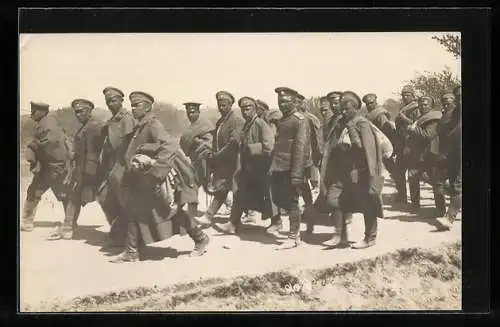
(267, 158)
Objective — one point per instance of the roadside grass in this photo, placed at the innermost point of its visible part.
(408, 279)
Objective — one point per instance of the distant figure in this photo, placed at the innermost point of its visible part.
(196, 143)
(111, 194)
(255, 150)
(150, 219)
(49, 155)
(223, 159)
(87, 147)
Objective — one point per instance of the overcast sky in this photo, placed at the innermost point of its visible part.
(174, 68)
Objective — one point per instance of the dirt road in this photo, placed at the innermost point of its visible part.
(62, 270)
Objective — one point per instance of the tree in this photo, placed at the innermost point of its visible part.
(434, 84)
(451, 42)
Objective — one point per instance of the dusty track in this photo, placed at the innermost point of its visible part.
(59, 271)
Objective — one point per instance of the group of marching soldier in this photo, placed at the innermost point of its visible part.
(147, 183)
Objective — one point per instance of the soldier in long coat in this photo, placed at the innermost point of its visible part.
(223, 159)
(355, 178)
(422, 151)
(288, 173)
(112, 195)
(450, 165)
(49, 155)
(87, 146)
(255, 150)
(150, 220)
(407, 115)
(196, 142)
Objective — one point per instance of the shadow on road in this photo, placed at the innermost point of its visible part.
(315, 238)
(157, 254)
(424, 215)
(46, 224)
(253, 233)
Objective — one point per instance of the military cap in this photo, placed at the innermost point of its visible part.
(194, 105)
(110, 92)
(408, 89)
(140, 96)
(262, 105)
(369, 95)
(334, 94)
(82, 104)
(300, 96)
(448, 95)
(247, 98)
(353, 96)
(224, 95)
(285, 91)
(39, 105)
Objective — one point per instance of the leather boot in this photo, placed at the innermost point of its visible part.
(339, 238)
(201, 241)
(126, 256)
(29, 211)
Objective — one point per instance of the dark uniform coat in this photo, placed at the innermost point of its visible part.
(146, 208)
(422, 146)
(196, 142)
(406, 116)
(87, 148)
(116, 132)
(226, 138)
(291, 154)
(52, 151)
(355, 182)
(252, 180)
(315, 138)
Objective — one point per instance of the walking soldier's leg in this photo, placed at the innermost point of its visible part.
(36, 189)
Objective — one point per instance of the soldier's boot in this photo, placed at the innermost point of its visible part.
(227, 228)
(201, 241)
(205, 221)
(276, 226)
(339, 238)
(293, 239)
(440, 205)
(415, 194)
(250, 217)
(308, 217)
(126, 256)
(55, 234)
(370, 232)
(29, 211)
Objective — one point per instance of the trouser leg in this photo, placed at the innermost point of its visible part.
(306, 194)
(371, 226)
(33, 196)
(72, 207)
(414, 183)
(294, 216)
(133, 237)
(456, 197)
(400, 180)
(219, 198)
